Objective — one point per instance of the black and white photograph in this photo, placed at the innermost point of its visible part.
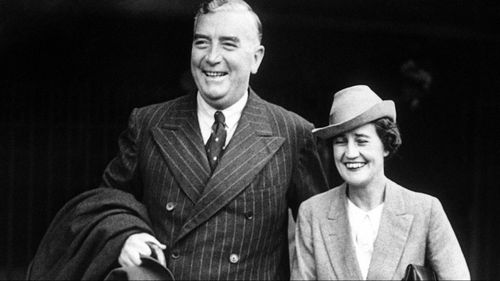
(249, 140)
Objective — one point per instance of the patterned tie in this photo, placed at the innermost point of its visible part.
(217, 140)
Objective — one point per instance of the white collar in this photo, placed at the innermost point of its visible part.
(232, 115)
(357, 214)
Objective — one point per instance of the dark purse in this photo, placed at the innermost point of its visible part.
(419, 272)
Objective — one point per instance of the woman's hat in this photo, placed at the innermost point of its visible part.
(353, 107)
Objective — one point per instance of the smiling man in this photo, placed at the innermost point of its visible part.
(226, 49)
(218, 169)
(203, 182)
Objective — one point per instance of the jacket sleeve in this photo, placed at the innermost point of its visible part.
(443, 250)
(303, 258)
(308, 177)
(122, 172)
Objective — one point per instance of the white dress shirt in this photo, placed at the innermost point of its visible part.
(206, 117)
(364, 228)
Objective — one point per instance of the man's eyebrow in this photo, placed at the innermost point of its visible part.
(199, 36)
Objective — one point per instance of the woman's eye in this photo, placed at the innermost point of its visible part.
(339, 141)
(362, 141)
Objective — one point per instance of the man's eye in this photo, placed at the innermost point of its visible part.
(230, 45)
(200, 43)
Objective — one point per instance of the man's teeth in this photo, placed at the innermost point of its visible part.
(354, 165)
(214, 74)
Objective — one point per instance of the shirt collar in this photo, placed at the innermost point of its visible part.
(232, 113)
(358, 214)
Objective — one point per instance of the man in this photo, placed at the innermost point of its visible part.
(222, 215)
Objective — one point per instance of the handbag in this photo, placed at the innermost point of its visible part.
(419, 272)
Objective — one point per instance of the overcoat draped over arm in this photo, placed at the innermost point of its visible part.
(87, 234)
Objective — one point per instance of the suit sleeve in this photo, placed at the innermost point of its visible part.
(303, 257)
(309, 177)
(122, 172)
(444, 253)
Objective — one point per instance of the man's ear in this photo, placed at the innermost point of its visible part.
(257, 58)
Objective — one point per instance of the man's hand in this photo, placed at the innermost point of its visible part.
(137, 245)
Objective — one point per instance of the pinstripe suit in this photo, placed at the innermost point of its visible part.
(231, 224)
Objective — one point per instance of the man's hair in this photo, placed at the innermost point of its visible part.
(212, 6)
(388, 132)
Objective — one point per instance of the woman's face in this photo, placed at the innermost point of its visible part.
(359, 156)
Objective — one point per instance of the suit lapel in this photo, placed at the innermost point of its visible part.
(250, 148)
(181, 144)
(339, 243)
(392, 235)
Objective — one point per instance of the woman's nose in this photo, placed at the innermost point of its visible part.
(351, 150)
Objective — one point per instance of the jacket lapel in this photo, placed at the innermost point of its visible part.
(250, 148)
(339, 243)
(392, 235)
(181, 144)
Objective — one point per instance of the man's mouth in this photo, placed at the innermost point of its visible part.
(215, 74)
(354, 165)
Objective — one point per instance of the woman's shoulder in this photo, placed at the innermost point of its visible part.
(414, 199)
(325, 198)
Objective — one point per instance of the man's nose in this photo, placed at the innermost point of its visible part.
(213, 56)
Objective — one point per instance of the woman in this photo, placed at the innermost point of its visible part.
(370, 227)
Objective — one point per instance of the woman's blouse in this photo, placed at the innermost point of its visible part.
(364, 228)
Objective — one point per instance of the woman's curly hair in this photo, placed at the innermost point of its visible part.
(388, 132)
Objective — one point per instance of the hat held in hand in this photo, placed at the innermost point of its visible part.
(353, 107)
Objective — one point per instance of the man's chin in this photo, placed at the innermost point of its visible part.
(215, 99)
(213, 96)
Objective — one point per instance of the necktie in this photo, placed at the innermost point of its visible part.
(217, 140)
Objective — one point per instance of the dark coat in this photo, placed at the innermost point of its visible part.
(231, 224)
(86, 236)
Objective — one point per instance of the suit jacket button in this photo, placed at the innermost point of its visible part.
(175, 255)
(234, 258)
(249, 215)
(170, 206)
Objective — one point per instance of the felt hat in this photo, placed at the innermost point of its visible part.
(353, 107)
(150, 269)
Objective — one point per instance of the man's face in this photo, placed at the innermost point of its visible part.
(225, 51)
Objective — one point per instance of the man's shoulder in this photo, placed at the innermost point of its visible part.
(153, 109)
(282, 115)
(152, 114)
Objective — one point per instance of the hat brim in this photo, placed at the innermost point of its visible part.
(385, 108)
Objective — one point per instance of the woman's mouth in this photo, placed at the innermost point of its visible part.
(354, 165)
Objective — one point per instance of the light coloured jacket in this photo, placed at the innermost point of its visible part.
(413, 229)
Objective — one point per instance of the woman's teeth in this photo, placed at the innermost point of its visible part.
(354, 165)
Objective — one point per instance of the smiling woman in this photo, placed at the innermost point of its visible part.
(359, 158)
(386, 226)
